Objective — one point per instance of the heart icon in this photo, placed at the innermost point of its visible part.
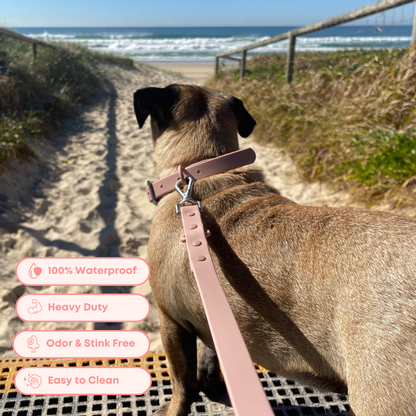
(37, 270)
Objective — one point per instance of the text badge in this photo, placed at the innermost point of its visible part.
(82, 381)
(82, 271)
(82, 308)
(81, 344)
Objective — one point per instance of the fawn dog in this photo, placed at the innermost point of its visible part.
(324, 296)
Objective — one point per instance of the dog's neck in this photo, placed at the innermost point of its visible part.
(184, 148)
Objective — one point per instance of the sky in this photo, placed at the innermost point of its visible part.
(150, 13)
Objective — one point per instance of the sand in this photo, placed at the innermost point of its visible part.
(85, 196)
(197, 73)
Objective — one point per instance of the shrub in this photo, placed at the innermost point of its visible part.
(348, 117)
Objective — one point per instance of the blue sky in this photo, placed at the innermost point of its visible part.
(138, 13)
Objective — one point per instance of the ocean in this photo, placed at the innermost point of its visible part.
(201, 44)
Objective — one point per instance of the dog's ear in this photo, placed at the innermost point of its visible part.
(157, 102)
(246, 123)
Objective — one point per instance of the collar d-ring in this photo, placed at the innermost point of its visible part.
(183, 175)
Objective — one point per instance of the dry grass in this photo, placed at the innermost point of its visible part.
(35, 97)
(347, 118)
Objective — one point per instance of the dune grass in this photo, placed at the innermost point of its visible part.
(36, 96)
(348, 118)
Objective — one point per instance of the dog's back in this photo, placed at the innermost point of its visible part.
(322, 295)
(340, 284)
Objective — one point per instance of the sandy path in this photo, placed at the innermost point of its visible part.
(84, 196)
(197, 73)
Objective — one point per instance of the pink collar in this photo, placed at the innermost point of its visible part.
(202, 170)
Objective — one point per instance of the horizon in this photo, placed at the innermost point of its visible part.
(185, 27)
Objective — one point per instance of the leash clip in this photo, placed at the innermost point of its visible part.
(186, 196)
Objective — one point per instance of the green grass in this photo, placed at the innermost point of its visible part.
(36, 96)
(348, 118)
(384, 157)
(14, 130)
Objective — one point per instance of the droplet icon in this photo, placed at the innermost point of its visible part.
(34, 271)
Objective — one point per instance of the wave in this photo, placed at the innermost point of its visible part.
(105, 35)
(148, 47)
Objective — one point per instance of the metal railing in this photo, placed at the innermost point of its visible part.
(374, 8)
(35, 43)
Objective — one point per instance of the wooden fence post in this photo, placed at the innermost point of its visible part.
(217, 65)
(34, 51)
(243, 64)
(378, 7)
(413, 41)
(290, 57)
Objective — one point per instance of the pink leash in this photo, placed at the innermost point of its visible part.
(243, 384)
(244, 388)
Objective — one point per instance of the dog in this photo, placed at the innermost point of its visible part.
(325, 296)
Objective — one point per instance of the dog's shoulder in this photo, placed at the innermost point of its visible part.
(228, 191)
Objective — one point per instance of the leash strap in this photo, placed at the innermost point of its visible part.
(202, 170)
(243, 385)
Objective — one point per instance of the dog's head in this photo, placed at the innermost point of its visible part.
(191, 123)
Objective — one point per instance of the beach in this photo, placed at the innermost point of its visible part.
(84, 195)
(199, 45)
(197, 73)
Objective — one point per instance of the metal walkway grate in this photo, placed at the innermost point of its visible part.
(286, 397)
